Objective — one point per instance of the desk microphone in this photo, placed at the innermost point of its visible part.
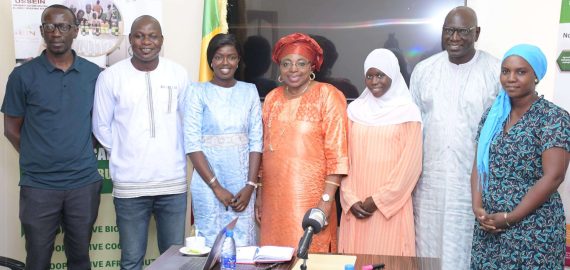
(313, 223)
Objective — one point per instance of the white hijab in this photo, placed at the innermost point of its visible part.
(395, 106)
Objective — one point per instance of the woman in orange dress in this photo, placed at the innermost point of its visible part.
(305, 148)
(385, 150)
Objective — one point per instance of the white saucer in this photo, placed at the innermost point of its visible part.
(186, 251)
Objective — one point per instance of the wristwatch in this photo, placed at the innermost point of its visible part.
(326, 197)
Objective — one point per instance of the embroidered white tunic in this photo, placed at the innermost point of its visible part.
(452, 99)
(137, 117)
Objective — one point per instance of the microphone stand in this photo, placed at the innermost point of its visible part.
(304, 254)
(314, 217)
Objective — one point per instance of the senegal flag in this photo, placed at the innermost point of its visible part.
(213, 23)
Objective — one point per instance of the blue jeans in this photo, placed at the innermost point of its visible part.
(133, 215)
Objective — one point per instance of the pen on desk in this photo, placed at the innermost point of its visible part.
(373, 266)
(378, 266)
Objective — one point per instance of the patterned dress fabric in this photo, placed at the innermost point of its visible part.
(538, 241)
(225, 124)
(304, 141)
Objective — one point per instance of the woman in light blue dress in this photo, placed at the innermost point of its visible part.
(223, 138)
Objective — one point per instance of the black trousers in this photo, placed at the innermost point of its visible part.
(43, 211)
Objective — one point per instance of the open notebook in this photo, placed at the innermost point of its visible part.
(266, 254)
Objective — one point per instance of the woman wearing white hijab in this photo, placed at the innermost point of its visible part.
(385, 151)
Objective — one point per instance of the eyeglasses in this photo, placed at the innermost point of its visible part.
(463, 32)
(50, 27)
(300, 65)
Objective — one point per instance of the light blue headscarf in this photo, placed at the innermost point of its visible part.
(502, 107)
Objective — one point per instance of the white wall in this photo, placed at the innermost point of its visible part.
(504, 23)
(182, 27)
(10, 244)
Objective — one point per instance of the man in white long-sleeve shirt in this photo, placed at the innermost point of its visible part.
(452, 88)
(137, 118)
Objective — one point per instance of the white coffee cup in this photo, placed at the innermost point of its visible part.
(195, 243)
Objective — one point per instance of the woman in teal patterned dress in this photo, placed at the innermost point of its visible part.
(522, 156)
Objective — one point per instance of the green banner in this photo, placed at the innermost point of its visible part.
(565, 12)
(103, 168)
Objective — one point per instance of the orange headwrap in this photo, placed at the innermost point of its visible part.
(298, 43)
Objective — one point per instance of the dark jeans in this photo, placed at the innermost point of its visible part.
(43, 211)
(133, 217)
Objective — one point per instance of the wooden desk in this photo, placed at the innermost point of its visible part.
(398, 262)
(176, 259)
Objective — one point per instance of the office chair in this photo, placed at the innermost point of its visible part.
(11, 263)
